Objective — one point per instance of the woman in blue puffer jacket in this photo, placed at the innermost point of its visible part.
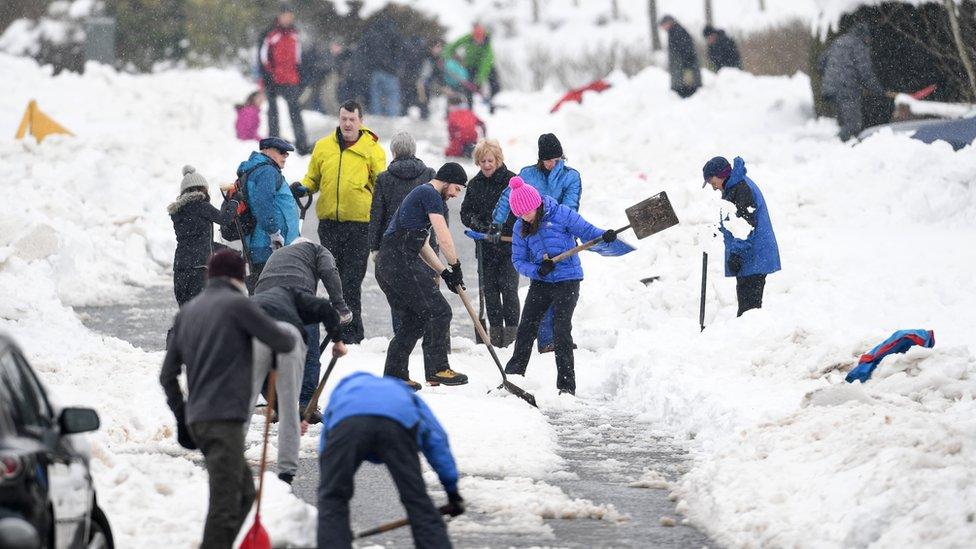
(544, 230)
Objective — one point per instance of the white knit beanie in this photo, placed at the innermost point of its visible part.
(192, 179)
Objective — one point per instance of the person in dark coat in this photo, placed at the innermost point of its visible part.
(847, 75)
(193, 219)
(381, 420)
(682, 58)
(212, 337)
(405, 172)
(382, 44)
(496, 274)
(722, 51)
(751, 258)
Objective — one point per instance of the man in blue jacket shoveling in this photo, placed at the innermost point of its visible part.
(751, 258)
(380, 419)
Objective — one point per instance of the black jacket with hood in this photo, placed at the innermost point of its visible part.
(481, 197)
(193, 218)
(392, 186)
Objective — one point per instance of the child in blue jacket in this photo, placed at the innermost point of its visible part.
(544, 230)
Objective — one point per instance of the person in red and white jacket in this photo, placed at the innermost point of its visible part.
(279, 57)
(462, 129)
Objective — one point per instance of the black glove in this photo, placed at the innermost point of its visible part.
(547, 267)
(453, 277)
(183, 432)
(609, 235)
(455, 504)
(735, 263)
(298, 190)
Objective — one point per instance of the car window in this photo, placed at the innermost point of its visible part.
(25, 406)
(40, 396)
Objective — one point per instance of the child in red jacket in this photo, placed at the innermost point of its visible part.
(462, 129)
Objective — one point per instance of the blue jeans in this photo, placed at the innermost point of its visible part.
(310, 379)
(384, 94)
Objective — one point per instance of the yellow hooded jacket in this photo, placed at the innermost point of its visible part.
(344, 178)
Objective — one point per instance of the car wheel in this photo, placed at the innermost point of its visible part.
(100, 533)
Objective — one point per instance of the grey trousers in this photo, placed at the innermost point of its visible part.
(231, 483)
(291, 366)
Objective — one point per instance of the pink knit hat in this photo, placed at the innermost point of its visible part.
(522, 198)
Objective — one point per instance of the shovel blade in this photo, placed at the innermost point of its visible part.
(652, 215)
(257, 537)
(519, 392)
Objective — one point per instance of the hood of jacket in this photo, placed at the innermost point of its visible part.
(736, 176)
(366, 139)
(255, 160)
(407, 168)
(184, 199)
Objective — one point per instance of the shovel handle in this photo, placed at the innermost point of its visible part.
(443, 509)
(584, 246)
(481, 330)
(313, 403)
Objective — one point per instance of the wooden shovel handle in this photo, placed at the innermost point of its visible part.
(584, 246)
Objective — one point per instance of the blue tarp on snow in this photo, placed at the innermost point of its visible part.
(899, 342)
(957, 133)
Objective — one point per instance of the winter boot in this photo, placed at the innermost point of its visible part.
(509, 334)
(497, 337)
(413, 385)
(447, 377)
(287, 478)
(314, 417)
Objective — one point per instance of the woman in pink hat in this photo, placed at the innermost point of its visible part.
(544, 230)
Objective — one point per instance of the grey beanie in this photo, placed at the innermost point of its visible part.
(192, 179)
(402, 145)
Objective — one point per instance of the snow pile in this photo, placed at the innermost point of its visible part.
(873, 238)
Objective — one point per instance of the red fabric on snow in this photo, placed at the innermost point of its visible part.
(576, 94)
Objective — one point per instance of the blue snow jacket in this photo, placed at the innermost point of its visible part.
(560, 228)
(758, 253)
(363, 394)
(272, 204)
(562, 183)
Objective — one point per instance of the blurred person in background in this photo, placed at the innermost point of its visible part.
(280, 56)
(682, 58)
(478, 58)
(722, 51)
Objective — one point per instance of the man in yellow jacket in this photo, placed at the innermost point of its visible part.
(343, 171)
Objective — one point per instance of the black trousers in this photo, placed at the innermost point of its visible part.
(749, 292)
(349, 243)
(347, 446)
(500, 282)
(562, 296)
(291, 95)
(187, 283)
(231, 483)
(251, 280)
(417, 304)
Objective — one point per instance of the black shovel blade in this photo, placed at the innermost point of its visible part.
(519, 392)
(652, 215)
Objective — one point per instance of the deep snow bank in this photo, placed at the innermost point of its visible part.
(873, 238)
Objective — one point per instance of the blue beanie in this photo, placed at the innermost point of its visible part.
(717, 166)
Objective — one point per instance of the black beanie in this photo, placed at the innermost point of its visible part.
(452, 172)
(226, 263)
(549, 147)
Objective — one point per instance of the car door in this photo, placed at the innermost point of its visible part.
(69, 483)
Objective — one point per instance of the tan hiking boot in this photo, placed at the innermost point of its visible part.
(447, 377)
(413, 384)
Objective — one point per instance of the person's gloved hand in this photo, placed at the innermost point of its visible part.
(183, 432)
(453, 277)
(234, 206)
(546, 267)
(277, 241)
(455, 504)
(298, 190)
(609, 236)
(735, 263)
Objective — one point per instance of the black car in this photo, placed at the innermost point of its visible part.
(45, 477)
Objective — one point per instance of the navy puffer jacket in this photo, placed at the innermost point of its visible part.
(560, 228)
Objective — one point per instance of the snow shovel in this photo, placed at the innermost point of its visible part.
(646, 218)
(302, 208)
(257, 537)
(443, 509)
(313, 403)
(508, 385)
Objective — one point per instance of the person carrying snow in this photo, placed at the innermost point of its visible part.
(212, 337)
(751, 258)
(553, 178)
(544, 230)
(344, 167)
(300, 266)
(294, 310)
(381, 420)
(682, 58)
(722, 51)
(193, 218)
(496, 275)
(847, 74)
(271, 201)
(249, 117)
(404, 273)
(462, 129)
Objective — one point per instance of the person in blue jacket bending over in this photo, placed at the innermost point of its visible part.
(544, 230)
(271, 201)
(751, 258)
(380, 419)
(553, 178)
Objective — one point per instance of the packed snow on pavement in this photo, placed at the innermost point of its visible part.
(874, 238)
